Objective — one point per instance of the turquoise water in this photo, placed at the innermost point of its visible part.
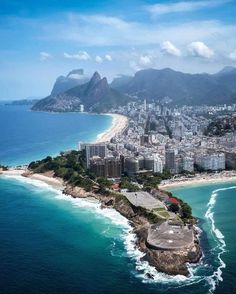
(215, 205)
(51, 243)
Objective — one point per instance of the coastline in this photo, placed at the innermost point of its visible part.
(199, 179)
(46, 178)
(119, 124)
(164, 262)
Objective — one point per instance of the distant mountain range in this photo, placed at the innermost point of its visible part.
(96, 96)
(154, 85)
(23, 102)
(181, 88)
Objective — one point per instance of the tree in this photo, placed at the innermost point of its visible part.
(186, 210)
(174, 207)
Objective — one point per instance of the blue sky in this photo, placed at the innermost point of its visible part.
(44, 39)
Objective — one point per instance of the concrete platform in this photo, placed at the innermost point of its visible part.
(144, 199)
(170, 236)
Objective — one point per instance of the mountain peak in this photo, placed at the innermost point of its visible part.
(96, 77)
(226, 70)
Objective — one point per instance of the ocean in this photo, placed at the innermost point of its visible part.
(26, 136)
(51, 243)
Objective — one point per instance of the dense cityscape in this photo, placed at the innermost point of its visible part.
(161, 138)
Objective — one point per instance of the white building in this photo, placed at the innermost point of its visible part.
(158, 165)
(188, 164)
(211, 161)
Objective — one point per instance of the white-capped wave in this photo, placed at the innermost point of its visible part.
(216, 277)
(143, 269)
(30, 182)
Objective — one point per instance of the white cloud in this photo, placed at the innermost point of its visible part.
(45, 56)
(141, 62)
(232, 55)
(108, 57)
(134, 66)
(98, 59)
(199, 49)
(183, 6)
(82, 55)
(170, 49)
(145, 60)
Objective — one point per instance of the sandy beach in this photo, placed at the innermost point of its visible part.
(119, 123)
(199, 179)
(46, 178)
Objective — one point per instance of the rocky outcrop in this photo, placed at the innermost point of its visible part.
(169, 262)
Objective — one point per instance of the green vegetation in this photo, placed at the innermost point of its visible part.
(71, 168)
(127, 184)
(184, 209)
(68, 166)
(148, 180)
(161, 212)
(174, 207)
(151, 216)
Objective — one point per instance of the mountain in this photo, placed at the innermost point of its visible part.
(227, 77)
(74, 78)
(226, 70)
(181, 88)
(96, 95)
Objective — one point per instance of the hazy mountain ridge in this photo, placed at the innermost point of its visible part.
(74, 78)
(182, 88)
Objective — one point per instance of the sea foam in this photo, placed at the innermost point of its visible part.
(143, 269)
(216, 277)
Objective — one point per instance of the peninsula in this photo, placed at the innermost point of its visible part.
(163, 224)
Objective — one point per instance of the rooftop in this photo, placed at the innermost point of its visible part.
(143, 199)
(170, 236)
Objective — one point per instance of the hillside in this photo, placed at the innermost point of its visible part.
(96, 95)
(182, 88)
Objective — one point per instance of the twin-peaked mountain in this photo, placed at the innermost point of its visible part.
(96, 95)
(154, 85)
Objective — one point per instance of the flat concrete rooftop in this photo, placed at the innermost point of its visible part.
(143, 199)
(167, 236)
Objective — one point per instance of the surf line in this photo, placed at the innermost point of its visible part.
(216, 277)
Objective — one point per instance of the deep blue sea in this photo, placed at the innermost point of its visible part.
(50, 243)
(27, 135)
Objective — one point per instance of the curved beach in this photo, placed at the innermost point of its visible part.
(119, 124)
(199, 179)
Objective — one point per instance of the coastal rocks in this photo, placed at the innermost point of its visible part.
(76, 192)
(169, 262)
(172, 262)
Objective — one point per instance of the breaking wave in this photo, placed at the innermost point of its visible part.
(143, 270)
(216, 277)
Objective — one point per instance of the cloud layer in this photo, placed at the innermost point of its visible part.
(199, 49)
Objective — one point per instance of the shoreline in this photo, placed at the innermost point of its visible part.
(200, 179)
(139, 222)
(119, 124)
(48, 179)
